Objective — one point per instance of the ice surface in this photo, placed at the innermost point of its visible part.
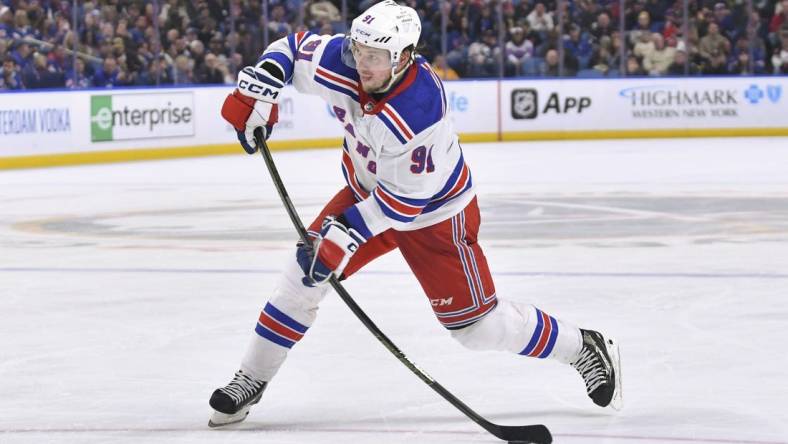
(128, 292)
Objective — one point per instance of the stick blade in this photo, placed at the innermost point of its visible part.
(533, 434)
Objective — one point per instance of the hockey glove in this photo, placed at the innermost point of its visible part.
(331, 251)
(253, 104)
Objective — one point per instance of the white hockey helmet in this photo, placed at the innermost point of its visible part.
(386, 25)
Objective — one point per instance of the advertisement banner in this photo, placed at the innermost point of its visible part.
(473, 107)
(571, 105)
(187, 121)
(141, 115)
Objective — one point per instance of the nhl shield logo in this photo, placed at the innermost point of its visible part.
(773, 92)
(525, 103)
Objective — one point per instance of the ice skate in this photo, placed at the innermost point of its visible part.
(233, 401)
(600, 366)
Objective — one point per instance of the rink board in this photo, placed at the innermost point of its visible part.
(48, 128)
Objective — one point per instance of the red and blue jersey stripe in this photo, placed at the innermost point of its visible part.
(459, 181)
(349, 171)
(278, 327)
(396, 123)
(295, 40)
(399, 208)
(406, 120)
(332, 73)
(544, 336)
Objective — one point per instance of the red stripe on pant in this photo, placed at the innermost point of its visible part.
(433, 257)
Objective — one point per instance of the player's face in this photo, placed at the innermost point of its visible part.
(373, 66)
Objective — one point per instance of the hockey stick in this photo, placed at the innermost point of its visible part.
(538, 434)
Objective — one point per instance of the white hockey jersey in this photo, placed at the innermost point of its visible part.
(402, 158)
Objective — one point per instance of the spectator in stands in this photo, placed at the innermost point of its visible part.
(6, 22)
(182, 71)
(716, 64)
(657, 61)
(602, 56)
(39, 75)
(643, 27)
(749, 41)
(137, 33)
(518, 50)
(672, 27)
(602, 27)
(780, 16)
(10, 77)
(212, 72)
(158, 73)
(633, 67)
(714, 45)
(578, 45)
(755, 56)
(482, 56)
(550, 67)
(779, 58)
(724, 20)
(644, 46)
(110, 75)
(481, 20)
(615, 62)
(277, 24)
(78, 77)
(740, 65)
(22, 26)
(442, 68)
(680, 60)
(196, 51)
(216, 44)
(656, 13)
(58, 60)
(326, 29)
(586, 14)
(539, 20)
(457, 57)
(509, 16)
(22, 54)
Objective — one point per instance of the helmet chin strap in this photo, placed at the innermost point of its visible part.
(395, 76)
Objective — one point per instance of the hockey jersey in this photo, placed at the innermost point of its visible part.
(401, 156)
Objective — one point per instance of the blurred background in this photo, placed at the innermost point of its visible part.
(117, 43)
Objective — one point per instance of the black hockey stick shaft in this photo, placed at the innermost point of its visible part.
(530, 433)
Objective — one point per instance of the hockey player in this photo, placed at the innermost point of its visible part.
(408, 187)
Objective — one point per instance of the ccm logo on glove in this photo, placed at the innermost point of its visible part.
(260, 84)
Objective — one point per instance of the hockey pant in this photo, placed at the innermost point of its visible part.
(453, 272)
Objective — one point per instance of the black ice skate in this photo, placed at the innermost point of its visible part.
(233, 401)
(600, 366)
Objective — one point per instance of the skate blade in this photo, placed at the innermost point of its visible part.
(219, 419)
(617, 403)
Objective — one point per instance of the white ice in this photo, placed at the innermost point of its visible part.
(128, 293)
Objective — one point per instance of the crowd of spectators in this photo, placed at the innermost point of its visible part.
(110, 43)
(586, 39)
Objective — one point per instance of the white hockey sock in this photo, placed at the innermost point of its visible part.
(282, 323)
(523, 329)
